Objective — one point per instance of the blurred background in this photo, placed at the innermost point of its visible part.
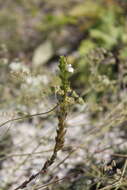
(93, 36)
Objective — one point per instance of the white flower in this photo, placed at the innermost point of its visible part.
(18, 66)
(70, 68)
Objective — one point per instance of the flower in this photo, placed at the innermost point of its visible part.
(69, 68)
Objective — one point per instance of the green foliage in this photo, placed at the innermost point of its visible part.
(97, 79)
(109, 31)
(42, 23)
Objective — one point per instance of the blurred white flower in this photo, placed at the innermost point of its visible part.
(18, 66)
(70, 68)
(38, 80)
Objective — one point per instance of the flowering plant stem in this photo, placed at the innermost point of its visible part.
(64, 101)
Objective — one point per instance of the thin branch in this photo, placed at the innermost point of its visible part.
(24, 154)
(119, 155)
(24, 184)
(124, 169)
(28, 116)
(53, 182)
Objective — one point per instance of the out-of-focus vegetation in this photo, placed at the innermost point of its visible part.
(93, 36)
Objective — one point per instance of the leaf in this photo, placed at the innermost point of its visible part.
(43, 53)
(85, 47)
